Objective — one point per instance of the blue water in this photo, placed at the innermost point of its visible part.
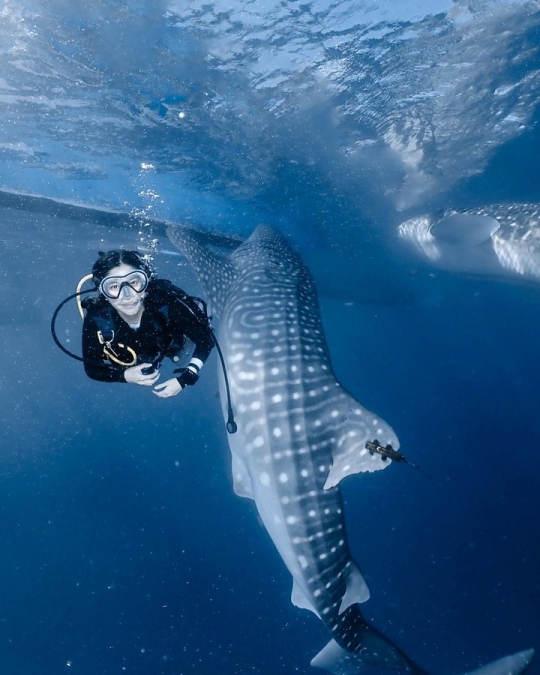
(124, 548)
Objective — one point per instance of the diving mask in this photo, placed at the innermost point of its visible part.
(111, 287)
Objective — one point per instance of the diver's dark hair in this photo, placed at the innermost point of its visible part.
(106, 261)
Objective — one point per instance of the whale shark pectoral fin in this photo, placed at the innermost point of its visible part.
(299, 599)
(357, 427)
(241, 479)
(357, 589)
(508, 665)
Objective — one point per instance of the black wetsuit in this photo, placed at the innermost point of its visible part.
(165, 324)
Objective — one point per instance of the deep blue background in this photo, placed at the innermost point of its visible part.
(124, 548)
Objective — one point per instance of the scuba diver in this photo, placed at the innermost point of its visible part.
(136, 321)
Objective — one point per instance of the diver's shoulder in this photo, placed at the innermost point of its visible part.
(96, 306)
(163, 291)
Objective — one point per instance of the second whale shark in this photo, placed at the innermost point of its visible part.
(299, 434)
(495, 240)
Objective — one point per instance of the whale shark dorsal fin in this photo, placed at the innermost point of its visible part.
(357, 426)
(215, 272)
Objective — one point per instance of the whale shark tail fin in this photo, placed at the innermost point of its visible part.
(214, 271)
(376, 655)
(391, 661)
(508, 665)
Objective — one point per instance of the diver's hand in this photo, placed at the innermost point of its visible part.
(168, 388)
(134, 375)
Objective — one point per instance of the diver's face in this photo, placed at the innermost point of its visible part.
(129, 303)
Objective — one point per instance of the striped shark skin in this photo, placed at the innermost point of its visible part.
(299, 434)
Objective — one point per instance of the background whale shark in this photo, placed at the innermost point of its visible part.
(299, 434)
(499, 240)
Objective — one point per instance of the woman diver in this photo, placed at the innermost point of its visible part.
(137, 321)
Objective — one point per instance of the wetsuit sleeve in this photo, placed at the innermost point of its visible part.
(92, 350)
(199, 332)
(193, 323)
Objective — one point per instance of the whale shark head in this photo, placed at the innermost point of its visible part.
(267, 249)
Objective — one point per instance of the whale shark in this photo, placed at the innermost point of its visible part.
(498, 239)
(300, 433)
